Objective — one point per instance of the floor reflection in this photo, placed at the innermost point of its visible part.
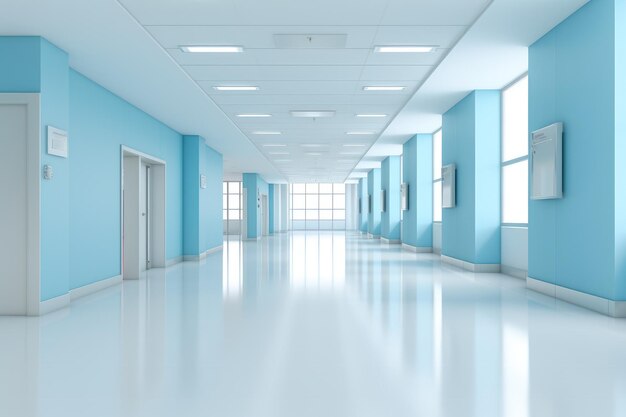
(309, 324)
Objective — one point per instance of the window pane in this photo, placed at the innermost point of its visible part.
(224, 201)
(224, 187)
(339, 214)
(437, 201)
(437, 154)
(312, 215)
(339, 188)
(298, 188)
(326, 188)
(298, 202)
(326, 214)
(311, 201)
(233, 201)
(233, 187)
(224, 215)
(339, 201)
(326, 202)
(515, 193)
(312, 188)
(233, 214)
(515, 120)
(297, 215)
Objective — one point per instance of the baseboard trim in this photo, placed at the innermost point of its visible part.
(514, 272)
(195, 258)
(79, 292)
(591, 302)
(468, 266)
(371, 236)
(390, 241)
(416, 249)
(54, 304)
(173, 261)
(437, 251)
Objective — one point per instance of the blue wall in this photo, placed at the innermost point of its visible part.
(390, 182)
(373, 189)
(578, 242)
(471, 140)
(101, 123)
(417, 167)
(202, 215)
(256, 187)
(362, 195)
(86, 186)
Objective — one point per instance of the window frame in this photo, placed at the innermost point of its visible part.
(318, 195)
(225, 197)
(509, 162)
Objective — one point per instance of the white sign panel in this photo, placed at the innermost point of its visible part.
(57, 142)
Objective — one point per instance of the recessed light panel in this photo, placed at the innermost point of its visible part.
(274, 145)
(254, 115)
(235, 88)
(314, 114)
(419, 49)
(208, 49)
(384, 88)
(371, 115)
(266, 132)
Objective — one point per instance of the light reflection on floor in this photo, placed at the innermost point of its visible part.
(314, 324)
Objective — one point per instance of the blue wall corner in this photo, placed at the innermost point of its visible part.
(417, 223)
(271, 190)
(255, 188)
(363, 215)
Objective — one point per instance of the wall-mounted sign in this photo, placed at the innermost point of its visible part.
(57, 142)
(203, 181)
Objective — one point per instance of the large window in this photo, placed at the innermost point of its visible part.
(515, 153)
(318, 206)
(231, 200)
(437, 178)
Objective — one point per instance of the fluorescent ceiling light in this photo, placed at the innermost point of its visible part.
(383, 88)
(278, 153)
(353, 145)
(266, 132)
(274, 145)
(204, 49)
(315, 114)
(360, 133)
(314, 153)
(419, 49)
(235, 88)
(371, 115)
(250, 115)
(314, 145)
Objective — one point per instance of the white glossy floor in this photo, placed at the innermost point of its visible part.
(309, 324)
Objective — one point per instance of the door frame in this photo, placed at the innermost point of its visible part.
(158, 207)
(33, 196)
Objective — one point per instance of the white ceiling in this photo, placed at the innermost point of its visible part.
(132, 48)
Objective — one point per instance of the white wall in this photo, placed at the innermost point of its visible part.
(284, 211)
(232, 227)
(437, 237)
(514, 251)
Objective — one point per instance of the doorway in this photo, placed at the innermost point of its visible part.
(143, 213)
(19, 210)
(265, 215)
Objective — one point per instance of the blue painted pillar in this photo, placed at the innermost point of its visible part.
(579, 242)
(471, 140)
(202, 207)
(417, 223)
(374, 214)
(270, 203)
(390, 183)
(363, 215)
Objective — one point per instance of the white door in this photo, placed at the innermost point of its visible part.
(144, 217)
(13, 209)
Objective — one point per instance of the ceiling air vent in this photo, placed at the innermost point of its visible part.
(310, 41)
